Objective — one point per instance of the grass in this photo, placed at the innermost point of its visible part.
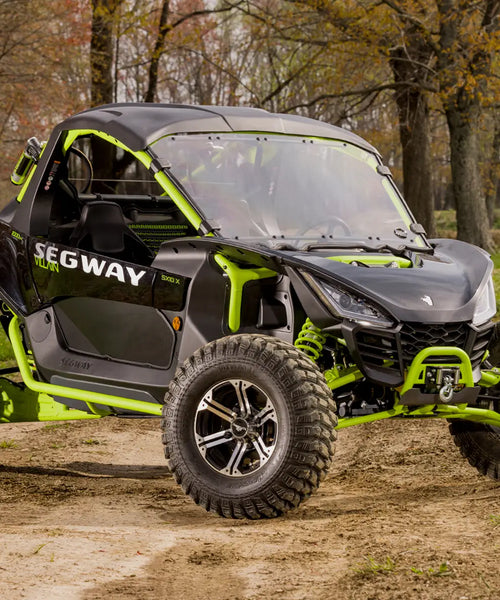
(57, 426)
(8, 444)
(495, 520)
(443, 570)
(372, 567)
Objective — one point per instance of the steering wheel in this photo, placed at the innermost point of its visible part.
(327, 228)
(86, 161)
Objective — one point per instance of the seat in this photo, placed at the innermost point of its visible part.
(102, 229)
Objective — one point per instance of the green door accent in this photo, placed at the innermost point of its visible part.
(238, 277)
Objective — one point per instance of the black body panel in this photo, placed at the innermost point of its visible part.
(454, 277)
(17, 287)
(203, 317)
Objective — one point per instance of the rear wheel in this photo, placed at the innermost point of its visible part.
(479, 444)
(248, 426)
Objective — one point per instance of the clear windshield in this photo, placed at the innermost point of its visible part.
(288, 189)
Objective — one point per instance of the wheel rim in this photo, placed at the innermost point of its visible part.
(236, 428)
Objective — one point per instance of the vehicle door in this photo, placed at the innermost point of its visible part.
(106, 220)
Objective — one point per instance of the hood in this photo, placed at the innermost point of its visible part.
(440, 287)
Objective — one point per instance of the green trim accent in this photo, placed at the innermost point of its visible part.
(469, 413)
(439, 411)
(490, 378)
(57, 390)
(416, 372)
(336, 378)
(187, 210)
(367, 259)
(386, 414)
(238, 277)
(72, 135)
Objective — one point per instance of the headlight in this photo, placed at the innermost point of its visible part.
(346, 304)
(486, 305)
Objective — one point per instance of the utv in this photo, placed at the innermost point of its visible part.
(255, 279)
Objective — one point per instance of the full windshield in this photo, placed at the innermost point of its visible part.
(288, 190)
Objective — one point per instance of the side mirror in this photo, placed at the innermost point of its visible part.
(28, 158)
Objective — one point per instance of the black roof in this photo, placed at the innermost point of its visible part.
(139, 124)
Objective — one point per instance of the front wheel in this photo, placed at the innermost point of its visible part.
(479, 444)
(248, 426)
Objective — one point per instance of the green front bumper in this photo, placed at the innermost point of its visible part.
(417, 399)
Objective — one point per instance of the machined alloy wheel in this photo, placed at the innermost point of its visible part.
(236, 427)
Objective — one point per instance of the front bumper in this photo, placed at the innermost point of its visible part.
(385, 355)
(428, 382)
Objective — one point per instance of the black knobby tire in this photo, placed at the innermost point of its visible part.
(248, 426)
(479, 444)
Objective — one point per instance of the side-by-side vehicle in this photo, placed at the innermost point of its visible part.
(256, 280)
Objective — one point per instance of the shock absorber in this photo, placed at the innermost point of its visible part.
(310, 340)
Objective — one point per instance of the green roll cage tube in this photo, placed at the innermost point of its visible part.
(33, 400)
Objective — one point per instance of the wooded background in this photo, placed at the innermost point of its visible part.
(418, 78)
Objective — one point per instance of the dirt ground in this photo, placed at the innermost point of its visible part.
(89, 511)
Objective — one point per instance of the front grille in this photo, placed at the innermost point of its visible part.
(377, 347)
(478, 343)
(384, 355)
(417, 336)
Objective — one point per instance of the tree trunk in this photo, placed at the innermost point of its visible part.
(101, 87)
(472, 215)
(463, 80)
(163, 29)
(414, 134)
(492, 187)
(101, 52)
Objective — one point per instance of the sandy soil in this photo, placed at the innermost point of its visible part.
(89, 511)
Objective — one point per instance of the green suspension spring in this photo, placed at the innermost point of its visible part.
(310, 340)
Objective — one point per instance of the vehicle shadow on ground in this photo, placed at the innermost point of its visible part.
(91, 469)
